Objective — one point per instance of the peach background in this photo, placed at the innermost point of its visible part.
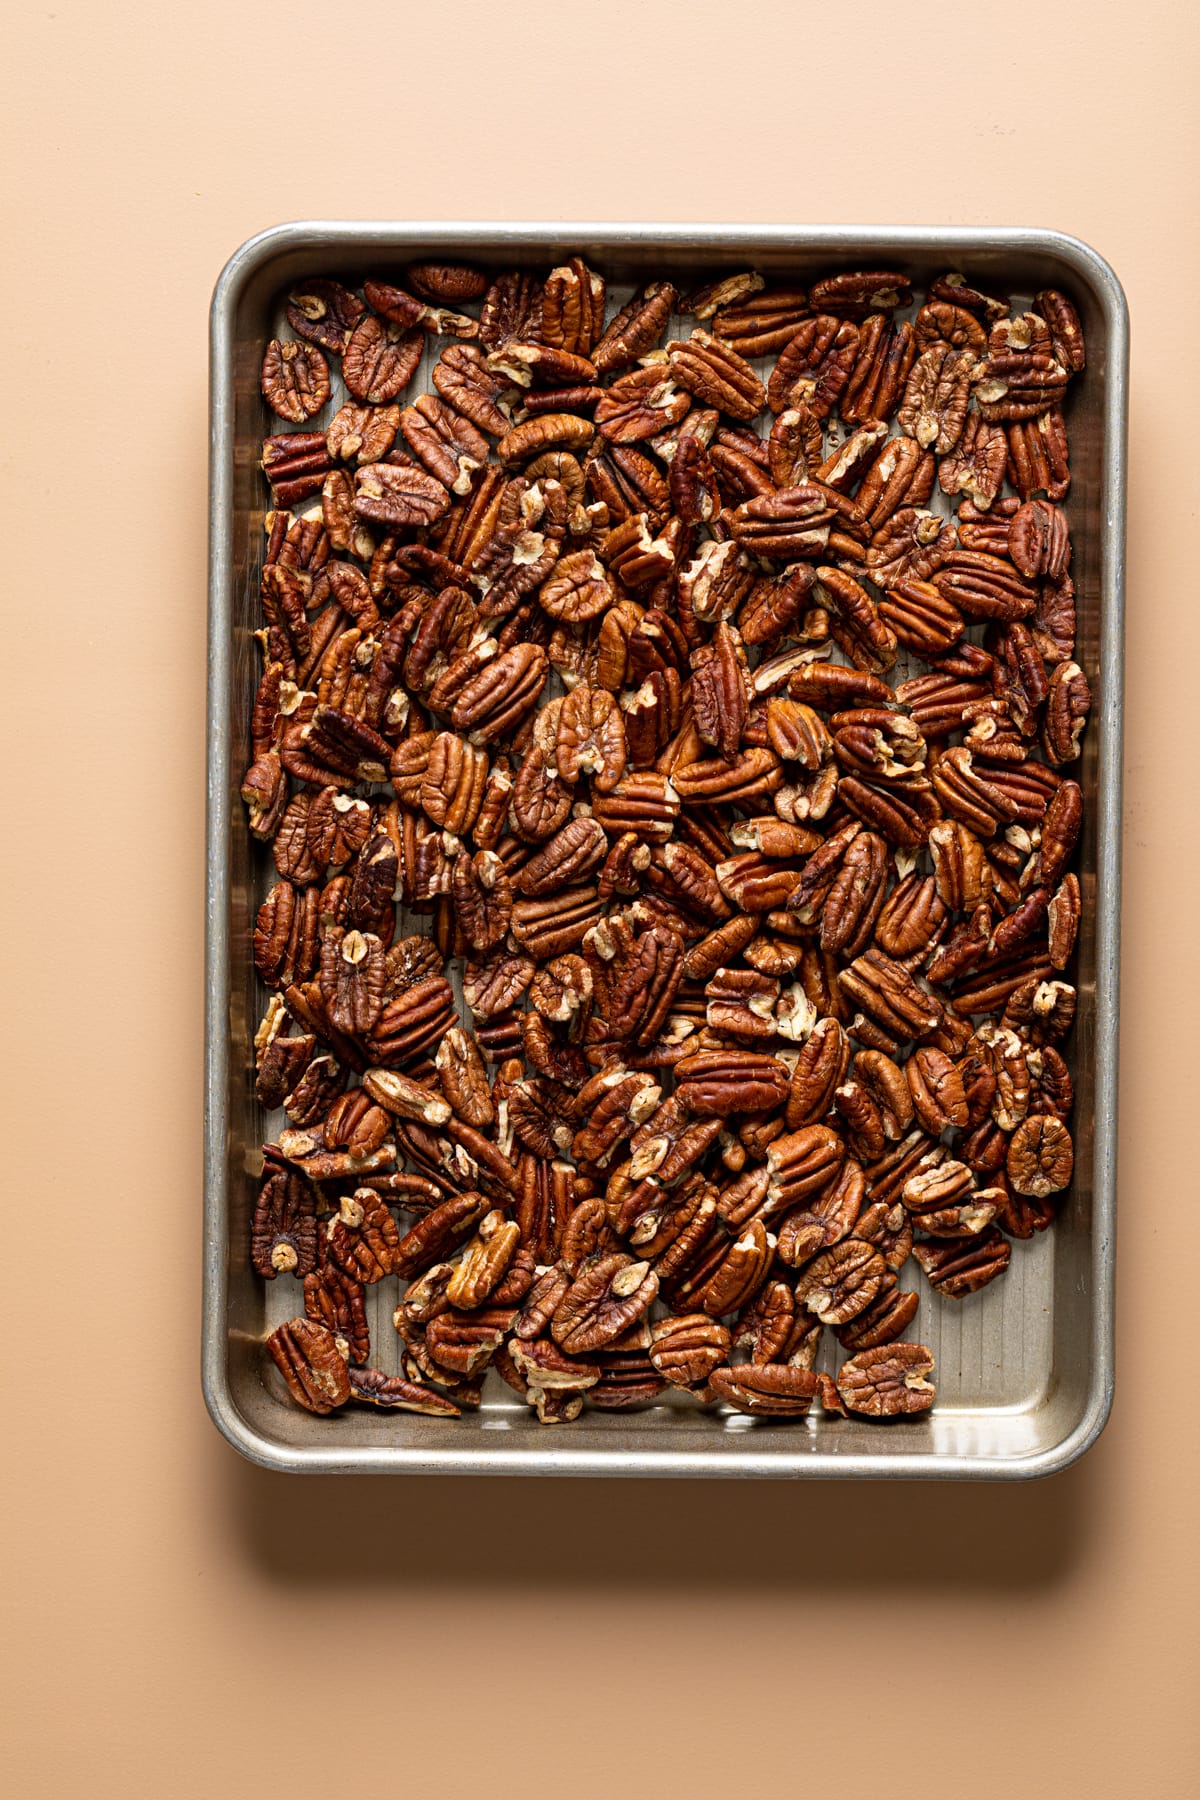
(180, 1624)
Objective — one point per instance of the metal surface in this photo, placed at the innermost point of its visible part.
(1025, 1369)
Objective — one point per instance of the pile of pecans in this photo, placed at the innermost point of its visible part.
(585, 656)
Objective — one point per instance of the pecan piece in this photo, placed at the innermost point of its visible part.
(888, 1382)
(283, 1236)
(766, 1390)
(1040, 1156)
(714, 372)
(294, 380)
(686, 1349)
(307, 1356)
(604, 1300)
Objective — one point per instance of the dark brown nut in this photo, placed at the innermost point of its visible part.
(283, 1236)
(413, 1022)
(784, 526)
(541, 801)
(512, 308)
(590, 739)
(380, 360)
(483, 1263)
(398, 497)
(885, 1082)
(814, 367)
(968, 795)
(975, 467)
(912, 544)
(355, 1125)
(570, 856)
(1039, 540)
(547, 431)
(604, 1300)
(552, 925)
(1018, 385)
(841, 1282)
(447, 442)
(405, 1098)
(920, 617)
(959, 1267)
(714, 372)
(940, 322)
(938, 1096)
(913, 916)
(496, 983)
(766, 1390)
(573, 308)
(493, 702)
(719, 946)
(934, 409)
(447, 282)
(295, 380)
(901, 475)
(1041, 1157)
(741, 1004)
(794, 449)
(612, 1105)
(886, 1319)
(1062, 916)
(406, 311)
(956, 289)
(730, 1274)
(393, 1393)
(362, 1238)
(887, 993)
(1068, 703)
(645, 803)
(858, 294)
(434, 1238)
(758, 324)
(819, 1070)
(636, 328)
(463, 378)
(362, 433)
(1066, 332)
(338, 1302)
(464, 1343)
(686, 1350)
(352, 978)
(854, 624)
(641, 404)
(577, 589)
(307, 1356)
(803, 1163)
(325, 313)
(888, 1382)
(483, 899)
(714, 1083)
(881, 367)
(1038, 456)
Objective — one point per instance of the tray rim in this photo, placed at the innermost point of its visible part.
(559, 1458)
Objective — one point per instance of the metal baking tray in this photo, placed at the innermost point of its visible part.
(1025, 1368)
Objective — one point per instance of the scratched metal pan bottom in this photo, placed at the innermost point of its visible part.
(1025, 1368)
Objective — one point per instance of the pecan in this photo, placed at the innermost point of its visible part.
(888, 1381)
(857, 295)
(767, 1390)
(636, 328)
(959, 1267)
(393, 1393)
(687, 1349)
(338, 1302)
(814, 367)
(714, 1083)
(307, 1356)
(294, 380)
(641, 404)
(884, 357)
(602, 1302)
(483, 1263)
(362, 1237)
(1018, 385)
(283, 1236)
(1040, 1156)
(713, 371)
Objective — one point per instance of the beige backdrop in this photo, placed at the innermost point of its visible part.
(181, 1625)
